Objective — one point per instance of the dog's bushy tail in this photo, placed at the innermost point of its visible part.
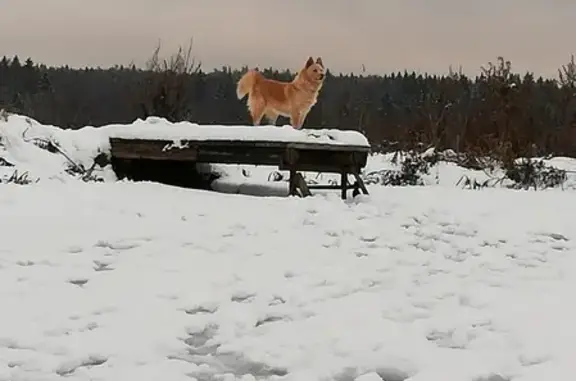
(246, 83)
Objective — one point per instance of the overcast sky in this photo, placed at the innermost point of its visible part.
(382, 35)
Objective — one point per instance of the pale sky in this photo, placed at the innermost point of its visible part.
(382, 35)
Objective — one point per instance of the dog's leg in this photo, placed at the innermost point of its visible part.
(296, 119)
(257, 108)
(272, 117)
(303, 116)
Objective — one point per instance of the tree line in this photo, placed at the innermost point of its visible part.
(497, 112)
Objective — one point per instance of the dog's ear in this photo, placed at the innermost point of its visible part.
(310, 62)
(319, 61)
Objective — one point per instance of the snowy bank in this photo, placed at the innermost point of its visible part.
(24, 141)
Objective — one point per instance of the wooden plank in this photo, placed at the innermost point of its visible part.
(322, 161)
(329, 147)
(242, 143)
(324, 186)
(322, 168)
(154, 150)
(201, 153)
(234, 155)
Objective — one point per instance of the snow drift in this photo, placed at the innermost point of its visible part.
(34, 152)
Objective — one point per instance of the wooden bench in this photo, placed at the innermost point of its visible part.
(129, 154)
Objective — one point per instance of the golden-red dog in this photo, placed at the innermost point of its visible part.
(271, 98)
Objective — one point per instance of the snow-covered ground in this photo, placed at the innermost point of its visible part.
(141, 281)
(118, 281)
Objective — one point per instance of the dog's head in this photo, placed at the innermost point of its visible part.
(314, 71)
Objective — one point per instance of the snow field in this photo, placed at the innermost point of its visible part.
(140, 281)
(118, 280)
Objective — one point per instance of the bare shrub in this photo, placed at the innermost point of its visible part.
(523, 174)
(166, 90)
(536, 174)
(18, 178)
(413, 166)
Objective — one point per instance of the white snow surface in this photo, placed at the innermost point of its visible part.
(153, 282)
(142, 281)
(161, 129)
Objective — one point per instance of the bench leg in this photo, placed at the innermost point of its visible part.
(292, 186)
(302, 186)
(356, 190)
(360, 183)
(297, 183)
(344, 184)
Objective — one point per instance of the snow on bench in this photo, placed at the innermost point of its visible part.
(160, 129)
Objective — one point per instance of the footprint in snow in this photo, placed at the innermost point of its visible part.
(202, 350)
(122, 245)
(25, 263)
(102, 266)
(368, 237)
(70, 367)
(75, 249)
(78, 282)
(242, 297)
(202, 309)
(270, 319)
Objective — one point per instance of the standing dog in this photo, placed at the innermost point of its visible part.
(271, 98)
